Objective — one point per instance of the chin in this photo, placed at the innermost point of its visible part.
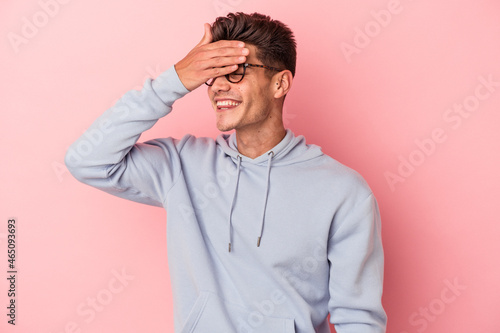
(224, 128)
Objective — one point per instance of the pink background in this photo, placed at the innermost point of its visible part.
(375, 108)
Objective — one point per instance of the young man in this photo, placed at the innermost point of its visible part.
(265, 233)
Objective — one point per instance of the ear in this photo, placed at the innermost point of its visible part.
(282, 82)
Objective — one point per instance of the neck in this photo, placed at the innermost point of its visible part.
(253, 143)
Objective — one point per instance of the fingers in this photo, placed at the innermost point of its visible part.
(210, 59)
(222, 62)
(207, 40)
(224, 44)
(207, 36)
(224, 53)
(219, 54)
(219, 71)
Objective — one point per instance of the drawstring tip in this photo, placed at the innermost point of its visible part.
(258, 241)
(229, 247)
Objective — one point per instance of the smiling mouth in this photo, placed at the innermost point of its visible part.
(227, 104)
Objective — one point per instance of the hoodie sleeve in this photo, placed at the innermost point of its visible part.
(356, 271)
(107, 156)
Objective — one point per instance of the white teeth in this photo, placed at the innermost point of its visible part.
(227, 103)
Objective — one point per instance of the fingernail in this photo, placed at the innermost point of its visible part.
(245, 51)
(241, 44)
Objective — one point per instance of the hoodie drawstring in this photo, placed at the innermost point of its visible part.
(270, 154)
(266, 194)
(232, 202)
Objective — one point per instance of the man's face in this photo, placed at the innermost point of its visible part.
(246, 104)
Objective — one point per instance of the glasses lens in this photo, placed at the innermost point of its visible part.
(237, 75)
(233, 77)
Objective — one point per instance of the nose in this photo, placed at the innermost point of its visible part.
(220, 84)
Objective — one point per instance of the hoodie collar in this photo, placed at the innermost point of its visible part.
(291, 149)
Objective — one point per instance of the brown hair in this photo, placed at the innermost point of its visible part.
(274, 40)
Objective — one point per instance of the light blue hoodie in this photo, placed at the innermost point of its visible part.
(271, 244)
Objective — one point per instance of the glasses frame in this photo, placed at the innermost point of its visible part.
(211, 81)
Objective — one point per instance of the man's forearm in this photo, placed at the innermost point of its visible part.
(108, 140)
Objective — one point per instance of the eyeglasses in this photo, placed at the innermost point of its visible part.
(239, 74)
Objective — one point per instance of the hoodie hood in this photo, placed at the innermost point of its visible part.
(290, 150)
